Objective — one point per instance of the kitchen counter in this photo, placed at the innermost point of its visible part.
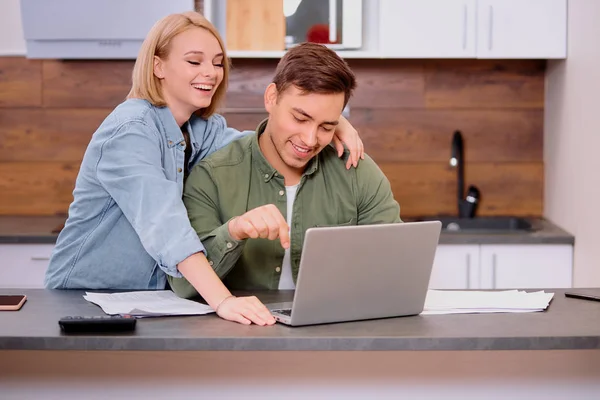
(545, 355)
(30, 230)
(567, 324)
(14, 229)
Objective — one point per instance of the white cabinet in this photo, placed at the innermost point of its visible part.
(455, 267)
(535, 29)
(522, 29)
(427, 28)
(526, 266)
(502, 266)
(24, 265)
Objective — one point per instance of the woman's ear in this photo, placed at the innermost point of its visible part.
(270, 97)
(158, 68)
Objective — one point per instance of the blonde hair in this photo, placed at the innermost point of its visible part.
(145, 85)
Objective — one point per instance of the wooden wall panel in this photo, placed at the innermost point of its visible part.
(36, 188)
(425, 189)
(20, 82)
(390, 84)
(47, 135)
(485, 84)
(405, 110)
(425, 135)
(88, 84)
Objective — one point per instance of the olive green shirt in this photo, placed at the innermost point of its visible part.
(238, 178)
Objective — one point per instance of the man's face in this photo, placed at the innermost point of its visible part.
(301, 125)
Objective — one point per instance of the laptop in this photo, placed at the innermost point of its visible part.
(351, 273)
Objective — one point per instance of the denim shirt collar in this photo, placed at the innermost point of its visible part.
(172, 129)
(263, 165)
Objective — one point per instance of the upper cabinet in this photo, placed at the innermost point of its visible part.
(427, 28)
(535, 29)
(521, 29)
(473, 28)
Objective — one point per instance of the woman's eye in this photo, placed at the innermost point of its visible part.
(194, 62)
(218, 65)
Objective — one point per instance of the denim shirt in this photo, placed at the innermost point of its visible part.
(127, 226)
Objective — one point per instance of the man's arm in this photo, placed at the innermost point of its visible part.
(201, 200)
(376, 203)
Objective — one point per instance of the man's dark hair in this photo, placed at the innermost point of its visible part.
(314, 68)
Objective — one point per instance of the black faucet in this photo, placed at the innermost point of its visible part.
(466, 206)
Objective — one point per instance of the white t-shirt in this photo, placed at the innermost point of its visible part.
(286, 281)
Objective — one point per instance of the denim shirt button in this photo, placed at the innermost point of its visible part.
(179, 170)
(170, 142)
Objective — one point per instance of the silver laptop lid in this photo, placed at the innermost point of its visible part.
(363, 272)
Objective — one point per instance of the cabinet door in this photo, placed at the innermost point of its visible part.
(521, 28)
(24, 265)
(526, 266)
(455, 267)
(427, 28)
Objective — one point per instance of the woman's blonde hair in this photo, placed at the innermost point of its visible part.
(145, 85)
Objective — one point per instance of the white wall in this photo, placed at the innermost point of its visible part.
(572, 140)
(12, 42)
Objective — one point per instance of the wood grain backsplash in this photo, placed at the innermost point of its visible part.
(406, 111)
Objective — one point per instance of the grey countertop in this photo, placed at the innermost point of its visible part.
(15, 229)
(566, 324)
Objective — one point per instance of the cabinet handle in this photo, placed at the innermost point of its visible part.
(494, 271)
(491, 32)
(40, 258)
(332, 21)
(465, 27)
(468, 271)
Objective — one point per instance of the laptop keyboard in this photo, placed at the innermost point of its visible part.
(287, 311)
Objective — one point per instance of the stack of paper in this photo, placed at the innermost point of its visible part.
(464, 302)
(146, 304)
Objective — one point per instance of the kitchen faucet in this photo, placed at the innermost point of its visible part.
(466, 206)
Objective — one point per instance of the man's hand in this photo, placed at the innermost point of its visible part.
(245, 310)
(262, 222)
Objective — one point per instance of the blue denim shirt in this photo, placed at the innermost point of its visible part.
(127, 225)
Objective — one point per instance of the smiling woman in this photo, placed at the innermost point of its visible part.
(127, 226)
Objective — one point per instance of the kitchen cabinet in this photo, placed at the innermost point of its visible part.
(522, 29)
(526, 266)
(455, 267)
(24, 265)
(427, 28)
(534, 29)
(502, 266)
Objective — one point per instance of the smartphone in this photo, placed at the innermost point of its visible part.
(12, 302)
(584, 295)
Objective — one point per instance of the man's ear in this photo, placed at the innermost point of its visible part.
(158, 68)
(270, 97)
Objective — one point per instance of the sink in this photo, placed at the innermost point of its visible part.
(482, 224)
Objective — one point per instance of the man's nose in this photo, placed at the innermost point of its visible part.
(309, 136)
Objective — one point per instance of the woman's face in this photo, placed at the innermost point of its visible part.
(191, 73)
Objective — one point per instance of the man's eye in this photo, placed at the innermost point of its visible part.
(194, 62)
(299, 120)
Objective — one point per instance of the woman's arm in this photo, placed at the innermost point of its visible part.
(217, 135)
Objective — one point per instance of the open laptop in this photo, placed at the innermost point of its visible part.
(351, 273)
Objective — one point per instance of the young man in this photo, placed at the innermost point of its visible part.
(240, 198)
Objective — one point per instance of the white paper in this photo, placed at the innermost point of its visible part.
(146, 303)
(472, 301)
